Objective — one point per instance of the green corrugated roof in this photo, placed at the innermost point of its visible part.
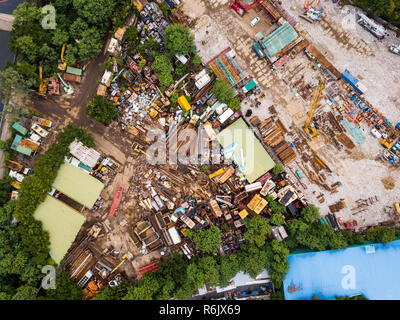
(257, 161)
(61, 222)
(75, 71)
(15, 146)
(22, 130)
(279, 39)
(78, 185)
(250, 85)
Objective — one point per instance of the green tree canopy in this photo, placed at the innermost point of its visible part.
(277, 169)
(207, 240)
(178, 39)
(223, 93)
(277, 219)
(101, 109)
(257, 231)
(66, 289)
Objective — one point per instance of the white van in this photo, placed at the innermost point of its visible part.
(254, 21)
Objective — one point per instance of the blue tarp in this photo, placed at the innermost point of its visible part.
(368, 270)
(347, 76)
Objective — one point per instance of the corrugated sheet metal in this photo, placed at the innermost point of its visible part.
(279, 39)
(75, 71)
(87, 156)
(20, 128)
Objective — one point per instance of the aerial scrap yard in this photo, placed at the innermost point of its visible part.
(309, 102)
(357, 112)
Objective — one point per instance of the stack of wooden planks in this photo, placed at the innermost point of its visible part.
(273, 135)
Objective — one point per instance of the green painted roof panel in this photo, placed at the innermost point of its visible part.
(256, 160)
(61, 222)
(78, 185)
(279, 39)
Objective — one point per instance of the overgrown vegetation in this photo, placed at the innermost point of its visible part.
(80, 24)
(387, 9)
(34, 189)
(101, 109)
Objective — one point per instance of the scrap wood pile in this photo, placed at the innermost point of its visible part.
(273, 133)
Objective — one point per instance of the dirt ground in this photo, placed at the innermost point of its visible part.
(361, 175)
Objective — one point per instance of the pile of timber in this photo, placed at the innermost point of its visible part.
(273, 135)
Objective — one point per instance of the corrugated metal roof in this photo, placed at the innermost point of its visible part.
(279, 39)
(22, 130)
(75, 71)
(86, 155)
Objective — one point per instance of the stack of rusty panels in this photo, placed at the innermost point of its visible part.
(264, 124)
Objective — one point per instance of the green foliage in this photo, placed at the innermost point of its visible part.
(277, 219)
(101, 109)
(162, 66)
(66, 289)
(223, 92)
(252, 260)
(203, 169)
(277, 169)
(206, 240)
(144, 289)
(81, 20)
(25, 293)
(381, 234)
(352, 238)
(70, 132)
(18, 276)
(196, 61)
(310, 213)
(28, 72)
(257, 231)
(276, 262)
(178, 39)
(275, 206)
(277, 295)
(235, 104)
(165, 9)
(70, 54)
(229, 267)
(387, 9)
(131, 35)
(33, 192)
(114, 293)
(11, 82)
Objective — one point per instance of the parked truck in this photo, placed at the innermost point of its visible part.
(42, 122)
(15, 166)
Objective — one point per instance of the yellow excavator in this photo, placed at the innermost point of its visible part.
(127, 256)
(62, 65)
(43, 83)
(317, 95)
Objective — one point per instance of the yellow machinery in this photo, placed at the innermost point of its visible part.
(43, 83)
(14, 165)
(62, 65)
(16, 184)
(127, 256)
(91, 290)
(387, 143)
(317, 95)
(138, 148)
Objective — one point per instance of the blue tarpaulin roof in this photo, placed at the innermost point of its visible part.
(368, 270)
(347, 76)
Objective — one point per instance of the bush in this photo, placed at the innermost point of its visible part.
(277, 169)
(196, 61)
(101, 109)
(223, 93)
